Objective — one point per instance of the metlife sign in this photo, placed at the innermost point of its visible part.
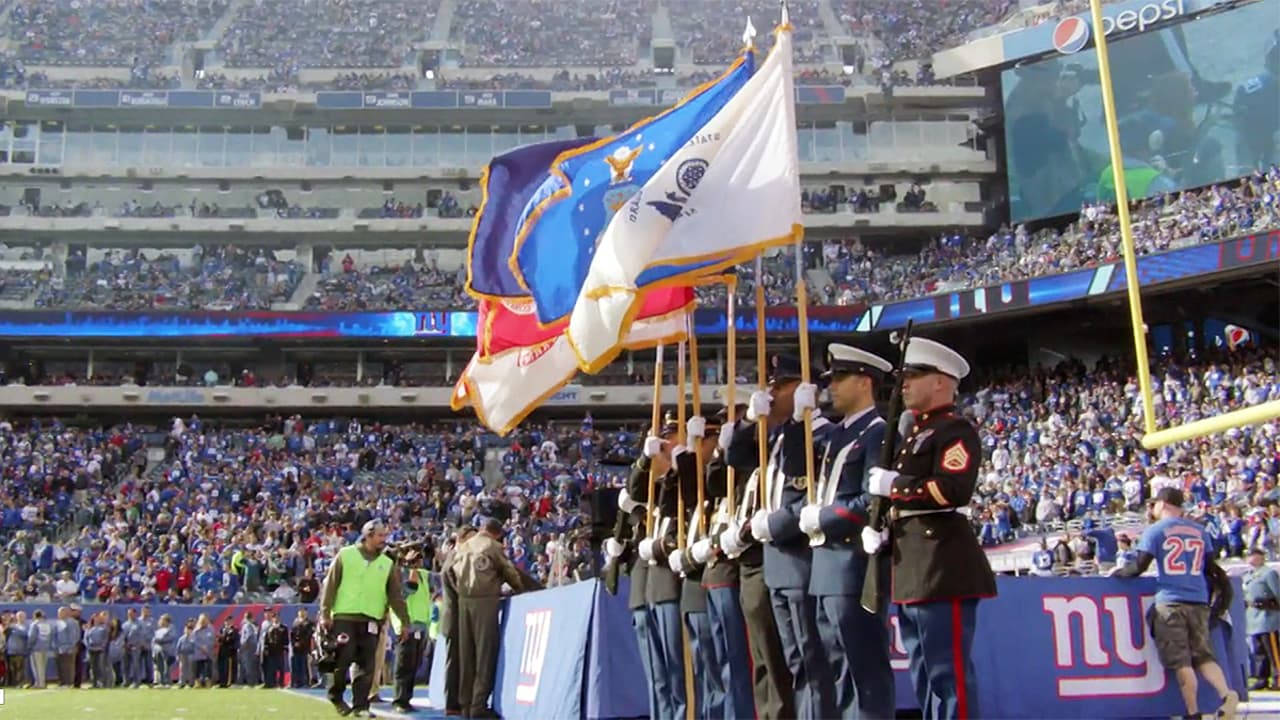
(1073, 34)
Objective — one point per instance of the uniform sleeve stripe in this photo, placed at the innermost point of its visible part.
(936, 492)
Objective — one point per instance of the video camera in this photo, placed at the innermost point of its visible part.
(410, 552)
(325, 651)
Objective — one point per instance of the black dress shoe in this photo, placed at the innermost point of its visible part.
(403, 707)
(342, 707)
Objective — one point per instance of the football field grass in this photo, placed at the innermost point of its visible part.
(159, 704)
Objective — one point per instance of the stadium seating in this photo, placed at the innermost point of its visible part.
(286, 35)
(291, 492)
(526, 33)
(108, 32)
(839, 272)
(708, 30)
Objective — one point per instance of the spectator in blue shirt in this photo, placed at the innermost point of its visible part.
(1180, 625)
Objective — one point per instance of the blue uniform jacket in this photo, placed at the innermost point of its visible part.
(787, 557)
(845, 454)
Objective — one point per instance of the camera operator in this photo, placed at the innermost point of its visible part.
(409, 651)
(361, 584)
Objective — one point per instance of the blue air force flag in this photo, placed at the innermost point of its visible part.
(565, 217)
(730, 191)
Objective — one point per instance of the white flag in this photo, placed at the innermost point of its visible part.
(508, 386)
(733, 190)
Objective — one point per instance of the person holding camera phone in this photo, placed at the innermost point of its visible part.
(361, 584)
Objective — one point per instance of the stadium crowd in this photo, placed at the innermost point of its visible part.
(1063, 445)
(108, 32)
(530, 33)
(198, 513)
(283, 37)
(855, 272)
(221, 277)
(287, 36)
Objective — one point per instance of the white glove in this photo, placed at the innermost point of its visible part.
(696, 427)
(729, 539)
(872, 540)
(806, 398)
(646, 549)
(675, 561)
(809, 519)
(652, 447)
(612, 547)
(701, 551)
(758, 406)
(760, 526)
(625, 503)
(880, 481)
(726, 436)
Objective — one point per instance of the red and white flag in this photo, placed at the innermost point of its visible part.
(519, 365)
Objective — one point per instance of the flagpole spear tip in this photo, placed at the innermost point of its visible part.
(749, 35)
(786, 13)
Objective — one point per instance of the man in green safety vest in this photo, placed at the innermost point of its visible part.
(409, 651)
(361, 585)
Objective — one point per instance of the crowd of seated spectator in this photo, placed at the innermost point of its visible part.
(954, 262)
(1063, 445)
(290, 34)
(107, 32)
(221, 277)
(860, 273)
(407, 287)
(280, 499)
(531, 33)
(710, 31)
(1060, 444)
(915, 29)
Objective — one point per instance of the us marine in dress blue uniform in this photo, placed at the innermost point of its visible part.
(787, 556)
(939, 569)
(856, 641)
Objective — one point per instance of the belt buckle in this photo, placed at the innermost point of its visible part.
(894, 514)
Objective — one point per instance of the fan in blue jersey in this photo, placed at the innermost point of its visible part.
(1180, 626)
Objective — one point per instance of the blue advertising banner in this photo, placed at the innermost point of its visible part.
(434, 100)
(544, 653)
(1080, 649)
(613, 645)
(149, 99)
(1241, 252)
(1046, 647)
(805, 95)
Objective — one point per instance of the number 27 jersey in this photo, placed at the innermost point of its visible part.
(1179, 548)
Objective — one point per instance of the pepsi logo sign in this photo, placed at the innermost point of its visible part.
(1071, 35)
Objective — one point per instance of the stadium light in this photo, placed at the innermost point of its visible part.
(1152, 438)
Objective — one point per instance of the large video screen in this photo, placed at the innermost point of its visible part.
(1197, 103)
